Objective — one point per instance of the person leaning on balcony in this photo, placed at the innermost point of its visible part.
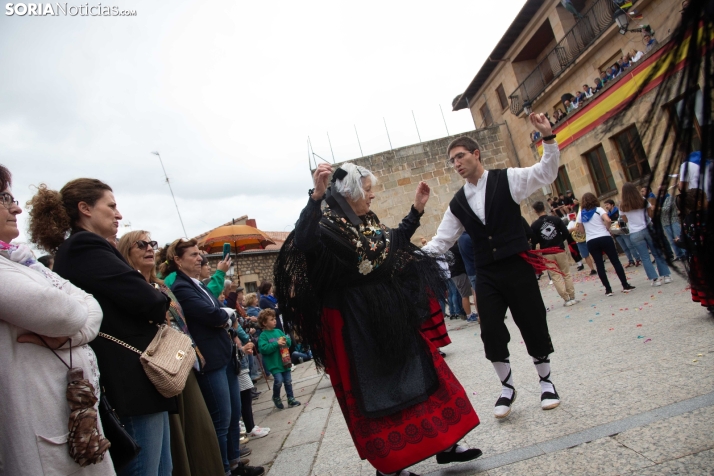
(605, 76)
(635, 55)
(588, 91)
(649, 42)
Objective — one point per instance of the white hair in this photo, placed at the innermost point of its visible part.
(351, 186)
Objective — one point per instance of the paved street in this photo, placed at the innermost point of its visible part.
(635, 373)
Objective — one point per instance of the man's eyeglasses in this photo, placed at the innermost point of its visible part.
(142, 244)
(458, 157)
(8, 200)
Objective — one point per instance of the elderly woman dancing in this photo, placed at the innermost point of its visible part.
(361, 294)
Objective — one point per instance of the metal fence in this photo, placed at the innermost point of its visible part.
(588, 29)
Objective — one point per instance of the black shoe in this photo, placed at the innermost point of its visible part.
(245, 470)
(446, 457)
(254, 391)
(244, 451)
(593, 272)
(293, 403)
(628, 288)
(442, 353)
(608, 292)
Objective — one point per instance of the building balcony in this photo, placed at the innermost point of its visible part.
(586, 31)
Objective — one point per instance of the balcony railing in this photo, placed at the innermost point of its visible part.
(588, 29)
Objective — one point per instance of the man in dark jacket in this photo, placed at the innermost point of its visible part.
(487, 208)
(550, 232)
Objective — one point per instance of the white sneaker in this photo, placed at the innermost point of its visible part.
(258, 432)
(657, 282)
(503, 406)
(242, 427)
(550, 283)
(667, 279)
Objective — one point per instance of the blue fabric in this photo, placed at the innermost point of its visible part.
(623, 244)
(695, 157)
(642, 241)
(281, 378)
(455, 306)
(612, 213)
(151, 432)
(586, 215)
(583, 249)
(673, 231)
(473, 284)
(466, 248)
(221, 392)
(253, 365)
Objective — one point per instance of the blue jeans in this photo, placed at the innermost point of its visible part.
(221, 392)
(455, 306)
(674, 231)
(628, 248)
(583, 249)
(151, 432)
(472, 279)
(281, 378)
(296, 356)
(642, 240)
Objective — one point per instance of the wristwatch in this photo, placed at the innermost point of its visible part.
(550, 137)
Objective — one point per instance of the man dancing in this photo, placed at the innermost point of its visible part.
(487, 208)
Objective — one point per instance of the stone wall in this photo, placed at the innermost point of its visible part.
(400, 170)
(250, 263)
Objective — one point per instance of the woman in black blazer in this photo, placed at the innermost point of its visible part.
(208, 322)
(132, 308)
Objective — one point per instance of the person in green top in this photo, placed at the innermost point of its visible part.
(269, 344)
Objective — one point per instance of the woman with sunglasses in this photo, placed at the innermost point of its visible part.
(194, 448)
(86, 210)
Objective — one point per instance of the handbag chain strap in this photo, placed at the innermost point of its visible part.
(122, 343)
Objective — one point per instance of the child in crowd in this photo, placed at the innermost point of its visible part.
(270, 343)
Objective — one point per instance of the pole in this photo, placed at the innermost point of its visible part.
(415, 125)
(388, 138)
(330, 142)
(172, 193)
(358, 142)
(442, 116)
(309, 157)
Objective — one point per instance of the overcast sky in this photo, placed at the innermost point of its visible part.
(228, 92)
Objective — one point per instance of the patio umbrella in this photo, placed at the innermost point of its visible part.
(240, 237)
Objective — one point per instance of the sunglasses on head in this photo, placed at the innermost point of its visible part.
(142, 244)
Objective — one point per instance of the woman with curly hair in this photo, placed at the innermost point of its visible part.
(594, 221)
(77, 223)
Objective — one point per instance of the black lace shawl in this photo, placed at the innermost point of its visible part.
(319, 266)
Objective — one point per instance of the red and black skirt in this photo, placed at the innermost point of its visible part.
(434, 328)
(701, 292)
(400, 440)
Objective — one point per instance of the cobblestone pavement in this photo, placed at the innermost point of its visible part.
(635, 373)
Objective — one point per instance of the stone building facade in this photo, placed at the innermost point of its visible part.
(399, 171)
(601, 149)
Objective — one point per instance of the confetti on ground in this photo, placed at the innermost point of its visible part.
(590, 320)
(695, 360)
(568, 316)
(639, 325)
(597, 313)
(648, 340)
(700, 355)
(640, 337)
(612, 328)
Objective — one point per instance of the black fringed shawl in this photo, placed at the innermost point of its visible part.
(380, 282)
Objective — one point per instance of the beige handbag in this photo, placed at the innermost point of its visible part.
(167, 360)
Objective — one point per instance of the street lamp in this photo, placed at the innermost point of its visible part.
(622, 19)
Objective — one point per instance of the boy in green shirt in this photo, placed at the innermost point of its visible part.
(269, 344)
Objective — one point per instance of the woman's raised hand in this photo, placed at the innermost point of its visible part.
(422, 196)
(225, 264)
(321, 178)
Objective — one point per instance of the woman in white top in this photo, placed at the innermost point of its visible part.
(637, 212)
(34, 411)
(594, 221)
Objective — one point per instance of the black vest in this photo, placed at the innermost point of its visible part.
(503, 234)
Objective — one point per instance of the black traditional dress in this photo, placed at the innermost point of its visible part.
(361, 294)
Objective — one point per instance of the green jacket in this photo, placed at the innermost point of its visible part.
(215, 285)
(270, 349)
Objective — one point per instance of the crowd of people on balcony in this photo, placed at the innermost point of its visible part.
(572, 102)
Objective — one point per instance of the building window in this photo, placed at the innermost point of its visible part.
(690, 128)
(486, 116)
(501, 93)
(251, 287)
(632, 154)
(562, 183)
(600, 171)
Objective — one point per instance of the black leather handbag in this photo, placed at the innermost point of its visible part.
(124, 448)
